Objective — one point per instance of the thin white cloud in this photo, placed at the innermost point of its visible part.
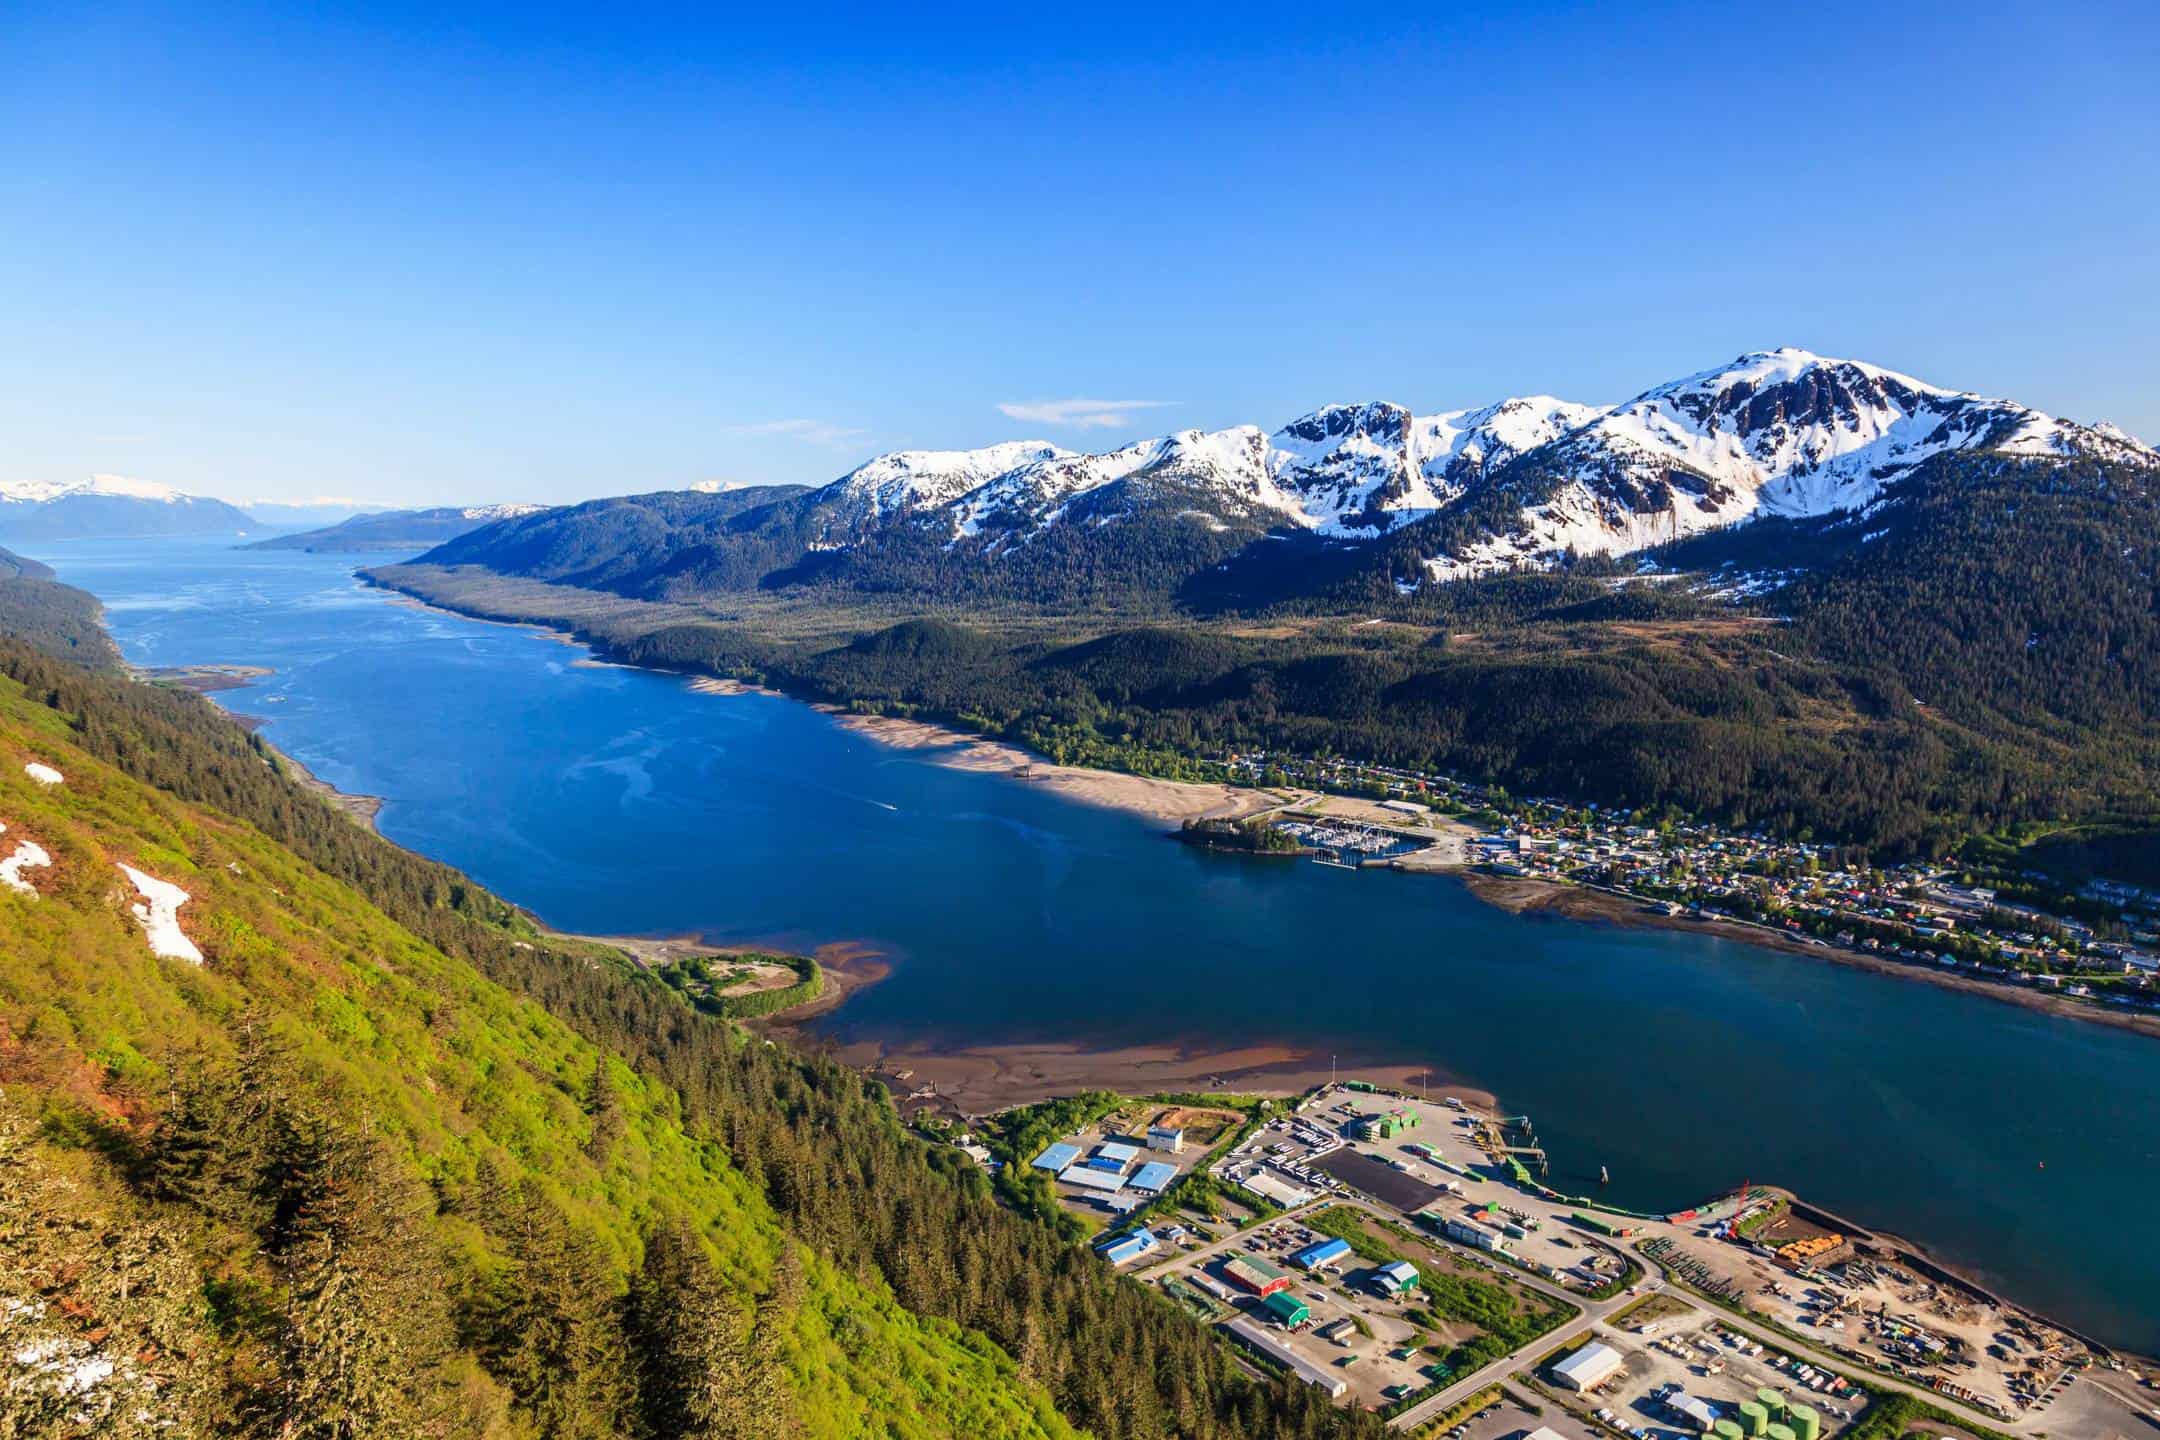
(810, 432)
(1080, 414)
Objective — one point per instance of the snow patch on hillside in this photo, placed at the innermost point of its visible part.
(158, 913)
(44, 774)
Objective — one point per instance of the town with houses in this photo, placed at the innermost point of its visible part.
(2098, 943)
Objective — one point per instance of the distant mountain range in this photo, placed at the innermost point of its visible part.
(1524, 482)
(113, 505)
(407, 530)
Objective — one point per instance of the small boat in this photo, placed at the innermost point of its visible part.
(1604, 1176)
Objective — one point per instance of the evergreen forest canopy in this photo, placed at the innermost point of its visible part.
(1980, 651)
(392, 1163)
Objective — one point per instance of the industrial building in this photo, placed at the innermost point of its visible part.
(1469, 1232)
(1245, 1332)
(1057, 1157)
(1290, 1312)
(1692, 1410)
(1589, 1367)
(1128, 1248)
(1322, 1255)
(1153, 1178)
(1117, 1153)
(1087, 1178)
(1281, 1192)
(1395, 1277)
(1250, 1272)
(1166, 1137)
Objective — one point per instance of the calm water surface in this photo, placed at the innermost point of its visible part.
(2023, 1147)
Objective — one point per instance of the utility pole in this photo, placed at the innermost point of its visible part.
(1331, 1072)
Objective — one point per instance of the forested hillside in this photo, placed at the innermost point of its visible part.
(58, 618)
(388, 1163)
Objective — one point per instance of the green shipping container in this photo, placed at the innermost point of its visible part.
(1804, 1423)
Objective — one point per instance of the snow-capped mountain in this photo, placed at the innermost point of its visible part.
(112, 505)
(1359, 489)
(1778, 432)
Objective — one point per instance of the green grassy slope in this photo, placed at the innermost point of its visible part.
(458, 1089)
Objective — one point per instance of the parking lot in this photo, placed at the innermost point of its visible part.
(1685, 1350)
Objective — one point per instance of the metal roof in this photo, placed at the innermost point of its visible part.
(1322, 1253)
(1155, 1175)
(1057, 1157)
(1088, 1179)
(1123, 1154)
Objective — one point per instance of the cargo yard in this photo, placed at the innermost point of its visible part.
(1400, 1253)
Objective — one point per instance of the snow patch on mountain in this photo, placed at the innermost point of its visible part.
(158, 912)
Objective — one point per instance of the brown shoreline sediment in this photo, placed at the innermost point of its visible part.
(1170, 801)
(1521, 895)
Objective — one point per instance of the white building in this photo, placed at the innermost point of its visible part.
(1166, 1137)
(1589, 1367)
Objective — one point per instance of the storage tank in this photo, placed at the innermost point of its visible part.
(1782, 1432)
(1772, 1401)
(1754, 1418)
(1805, 1423)
(1726, 1430)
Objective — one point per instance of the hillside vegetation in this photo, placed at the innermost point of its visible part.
(387, 1163)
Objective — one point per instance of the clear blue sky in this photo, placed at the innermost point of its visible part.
(542, 252)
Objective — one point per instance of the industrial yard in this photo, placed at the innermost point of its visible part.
(1399, 1252)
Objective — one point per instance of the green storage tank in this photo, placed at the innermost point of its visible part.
(1782, 1432)
(1727, 1430)
(1804, 1422)
(1772, 1401)
(1754, 1418)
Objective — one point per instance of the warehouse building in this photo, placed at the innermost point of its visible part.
(1128, 1248)
(1100, 1181)
(1256, 1337)
(1251, 1273)
(1589, 1367)
(1057, 1157)
(1290, 1312)
(1395, 1277)
(1281, 1192)
(1166, 1137)
(1153, 1178)
(1691, 1410)
(1117, 1153)
(1321, 1256)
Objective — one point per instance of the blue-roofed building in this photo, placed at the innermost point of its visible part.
(1154, 1177)
(1118, 1153)
(1102, 1182)
(1057, 1157)
(1105, 1164)
(1128, 1248)
(1322, 1255)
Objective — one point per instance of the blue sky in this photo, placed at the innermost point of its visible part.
(539, 253)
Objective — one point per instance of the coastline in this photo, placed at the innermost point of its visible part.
(1526, 896)
(1170, 801)
(1174, 801)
